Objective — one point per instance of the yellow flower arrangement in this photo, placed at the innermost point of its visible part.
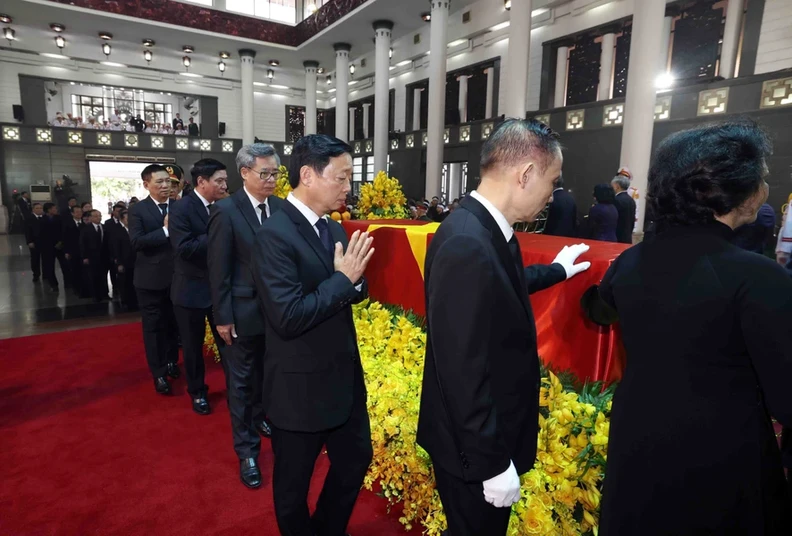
(560, 496)
(282, 186)
(382, 199)
(209, 346)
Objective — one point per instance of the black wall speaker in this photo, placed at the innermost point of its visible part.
(221, 129)
(19, 112)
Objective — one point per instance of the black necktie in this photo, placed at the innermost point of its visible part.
(324, 236)
(263, 208)
(514, 247)
(163, 208)
(99, 230)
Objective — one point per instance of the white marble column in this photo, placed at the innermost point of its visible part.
(561, 77)
(731, 39)
(636, 149)
(463, 97)
(454, 180)
(342, 131)
(490, 92)
(247, 57)
(665, 45)
(351, 124)
(437, 91)
(310, 96)
(416, 125)
(606, 66)
(382, 38)
(517, 61)
(366, 106)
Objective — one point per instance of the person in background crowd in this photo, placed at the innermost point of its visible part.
(111, 226)
(115, 117)
(710, 323)
(92, 124)
(421, 210)
(192, 302)
(25, 208)
(178, 123)
(86, 207)
(784, 245)
(562, 214)
(71, 202)
(52, 247)
(33, 237)
(192, 128)
(180, 132)
(71, 247)
(123, 257)
(138, 123)
(177, 181)
(148, 232)
(86, 217)
(625, 206)
(603, 217)
(757, 236)
(60, 121)
(93, 254)
(480, 396)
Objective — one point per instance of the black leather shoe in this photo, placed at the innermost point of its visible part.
(249, 473)
(264, 428)
(173, 370)
(201, 406)
(162, 386)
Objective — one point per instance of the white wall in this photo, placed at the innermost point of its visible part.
(775, 38)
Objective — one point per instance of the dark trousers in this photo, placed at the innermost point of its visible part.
(95, 279)
(159, 331)
(75, 272)
(64, 266)
(35, 261)
(48, 266)
(466, 510)
(243, 366)
(349, 450)
(125, 278)
(192, 327)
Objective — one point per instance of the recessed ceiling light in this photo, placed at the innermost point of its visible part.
(403, 63)
(426, 16)
(275, 86)
(457, 43)
(6, 19)
(500, 26)
(225, 55)
(262, 84)
(148, 43)
(106, 36)
(55, 27)
(187, 49)
(54, 56)
(274, 63)
(191, 75)
(112, 64)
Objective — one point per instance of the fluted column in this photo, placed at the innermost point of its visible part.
(517, 61)
(437, 90)
(310, 96)
(417, 108)
(490, 92)
(463, 95)
(639, 103)
(366, 119)
(731, 38)
(247, 57)
(351, 124)
(342, 90)
(382, 37)
(606, 66)
(561, 77)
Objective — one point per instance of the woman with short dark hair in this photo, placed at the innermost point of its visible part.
(603, 217)
(708, 333)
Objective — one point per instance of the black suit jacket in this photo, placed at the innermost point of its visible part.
(154, 262)
(71, 237)
(232, 234)
(562, 215)
(121, 251)
(188, 227)
(51, 232)
(626, 207)
(480, 398)
(33, 227)
(92, 247)
(312, 355)
(25, 207)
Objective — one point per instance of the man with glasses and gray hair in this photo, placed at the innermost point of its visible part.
(240, 323)
(625, 205)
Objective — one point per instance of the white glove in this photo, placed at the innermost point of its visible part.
(503, 490)
(567, 257)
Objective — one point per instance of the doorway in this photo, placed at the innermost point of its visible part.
(115, 181)
(454, 184)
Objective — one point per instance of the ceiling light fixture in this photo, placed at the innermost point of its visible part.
(270, 74)
(426, 16)
(5, 19)
(187, 61)
(320, 70)
(352, 69)
(222, 66)
(390, 53)
(148, 56)
(507, 4)
(225, 55)
(148, 43)
(274, 63)
(106, 36)
(106, 49)
(187, 49)
(9, 34)
(310, 9)
(60, 42)
(55, 27)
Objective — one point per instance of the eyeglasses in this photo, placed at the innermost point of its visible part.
(266, 174)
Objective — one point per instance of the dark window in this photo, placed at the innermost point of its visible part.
(158, 112)
(696, 35)
(295, 123)
(622, 62)
(583, 74)
(85, 106)
(477, 95)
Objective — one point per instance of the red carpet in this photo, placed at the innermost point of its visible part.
(88, 448)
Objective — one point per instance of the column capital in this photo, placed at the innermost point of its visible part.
(342, 47)
(310, 64)
(383, 25)
(440, 4)
(247, 53)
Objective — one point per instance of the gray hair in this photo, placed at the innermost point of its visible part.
(246, 157)
(622, 182)
(517, 140)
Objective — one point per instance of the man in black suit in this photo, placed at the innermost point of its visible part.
(625, 204)
(92, 252)
(192, 128)
(240, 322)
(123, 257)
(111, 225)
(177, 122)
(52, 247)
(562, 214)
(480, 399)
(71, 247)
(314, 392)
(192, 302)
(149, 234)
(25, 208)
(33, 237)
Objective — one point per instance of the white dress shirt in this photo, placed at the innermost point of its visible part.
(204, 201)
(256, 209)
(97, 227)
(500, 219)
(168, 201)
